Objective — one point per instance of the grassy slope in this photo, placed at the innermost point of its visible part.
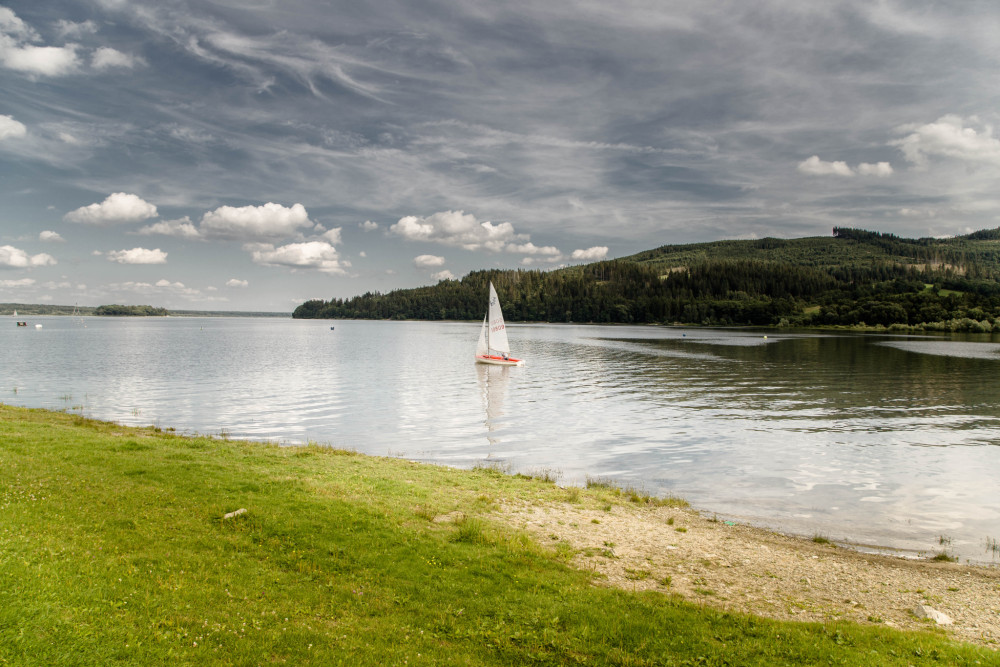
(113, 550)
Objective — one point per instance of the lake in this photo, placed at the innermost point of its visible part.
(876, 440)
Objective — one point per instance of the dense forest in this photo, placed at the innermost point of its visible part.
(854, 278)
(135, 311)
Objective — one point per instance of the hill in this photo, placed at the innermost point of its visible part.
(853, 278)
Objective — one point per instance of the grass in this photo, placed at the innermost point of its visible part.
(113, 550)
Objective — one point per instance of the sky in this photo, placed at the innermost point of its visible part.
(253, 154)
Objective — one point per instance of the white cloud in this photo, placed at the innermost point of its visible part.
(948, 137)
(530, 248)
(880, 169)
(50, 237)
(443, 275)
(21, 282)
(594, 254)
(118, 208)
(181, 228)
(817, 167)
(249, 223)
(236, 282)
(317, 255)
(43, 60)
(332, 236)
(11, 25)
(138, 256)
(10, 128)
(16, 258)
(427, 261)
(106, 58)
(457, 228)
(70, 29)
(368, 226)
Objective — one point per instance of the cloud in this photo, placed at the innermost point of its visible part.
(443, 275)
(236, 282)
(255, 223)
(594, 254)
(118, 208)
(317, 255)
(10, 128)
(11, 25)
(138, 256)
(530, 248)
(428, 261)
(15, 258)
(106, 58)
(368, 226)
(70, 29)
(50, 237)
(880, 169)
(332, 236)
(181, 228)
(43, 60)
(21, 282)
(949, 137)
(817, 167)
(457, 228)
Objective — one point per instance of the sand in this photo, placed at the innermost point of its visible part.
(753, 570)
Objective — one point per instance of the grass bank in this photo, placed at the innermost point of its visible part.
(114, 550)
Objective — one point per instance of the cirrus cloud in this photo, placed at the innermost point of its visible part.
(138, 256)
(118, 208)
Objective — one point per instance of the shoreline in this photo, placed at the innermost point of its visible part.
(739, 567)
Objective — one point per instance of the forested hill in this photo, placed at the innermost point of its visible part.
(854, 277)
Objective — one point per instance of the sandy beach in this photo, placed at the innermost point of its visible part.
(749, 569)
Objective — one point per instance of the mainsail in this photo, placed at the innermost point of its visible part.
(496, 337)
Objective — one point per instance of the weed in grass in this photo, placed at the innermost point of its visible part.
(993, 545)
(595, 521)
(944, 541)
(945, 557)
(665, 581)
(876, 619)
(573, 494)
(493, 468)
(819, 539)
(670, 521)
(636, 575)
(681, 529)
(424, 512)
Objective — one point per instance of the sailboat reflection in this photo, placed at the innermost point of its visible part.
(493, 382)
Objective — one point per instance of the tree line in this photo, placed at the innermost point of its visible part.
(876, 280)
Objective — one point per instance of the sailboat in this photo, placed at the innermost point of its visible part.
(493, 347)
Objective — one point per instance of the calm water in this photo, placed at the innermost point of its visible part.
(877, 440)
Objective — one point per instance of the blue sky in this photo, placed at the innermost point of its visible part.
(252, 154)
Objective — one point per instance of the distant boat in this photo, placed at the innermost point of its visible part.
(22, 324)
(493, 347)
(15, 312)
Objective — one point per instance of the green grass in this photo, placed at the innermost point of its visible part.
(113, 550)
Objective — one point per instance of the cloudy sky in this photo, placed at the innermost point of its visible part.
(252, 154)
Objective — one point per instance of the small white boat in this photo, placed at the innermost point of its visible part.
(493, 347)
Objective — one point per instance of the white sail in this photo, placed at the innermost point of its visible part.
(497, 335)
(482, 349)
